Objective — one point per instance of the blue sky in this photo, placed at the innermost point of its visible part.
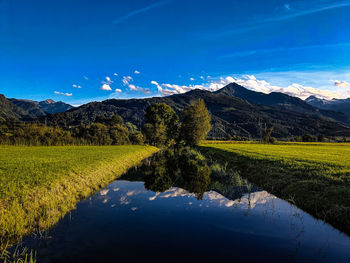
(84, 50)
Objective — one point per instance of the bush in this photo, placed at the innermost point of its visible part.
(137, 138)
(308, 138)
(272, 140)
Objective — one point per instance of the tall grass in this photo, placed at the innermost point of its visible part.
(18, 255)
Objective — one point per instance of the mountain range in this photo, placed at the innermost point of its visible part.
(28, 109)
(340, 105)
(9, 110)
(235, 110)
(281, 100)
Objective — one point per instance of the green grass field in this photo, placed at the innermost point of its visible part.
(39, 185)
(335, 157)
(314, 176)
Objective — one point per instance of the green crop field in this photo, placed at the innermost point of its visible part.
(335, 157)
(39, 185)
(314, 176)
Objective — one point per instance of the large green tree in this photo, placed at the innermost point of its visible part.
(161, 126)
(196, 123)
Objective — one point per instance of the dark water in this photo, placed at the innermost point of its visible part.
(193, 214)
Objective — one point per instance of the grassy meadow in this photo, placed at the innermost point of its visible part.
(314, 176)
(39, 185)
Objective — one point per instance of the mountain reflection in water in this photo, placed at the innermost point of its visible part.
(179, 208)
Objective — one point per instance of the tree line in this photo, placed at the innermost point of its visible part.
(103, 131)
(162, 128)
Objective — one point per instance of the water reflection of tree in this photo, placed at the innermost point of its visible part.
(184, 168)
(189, 170)
(161, 173)
(195, 172)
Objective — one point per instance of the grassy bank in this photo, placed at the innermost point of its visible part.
(39, 185)
(314, 176)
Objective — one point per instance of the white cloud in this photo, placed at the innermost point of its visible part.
(171, 89)
(106, 86)
(157, 85)
(252, 83)
(104, 192)
(303, 92)
(230, 79)
(115, 74)
(171, 193)
(77, 86)
(246, 201)
(137, 72)
(213, 198)
(118, 90)
(192, 79)
(64, 94)
(341, 84)
(126, 80)
(137, 88)
(294, 89)
(132, 87)
(124, 200)
(135, 192)
(85, 77)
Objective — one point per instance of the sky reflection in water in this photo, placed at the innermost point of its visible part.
(126, 222)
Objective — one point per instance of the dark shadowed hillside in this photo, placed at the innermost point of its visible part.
(30, 107)
(9, 110)
(285, 101)
(230, 115)
(38, 109)
(50, 106)
(272, 99)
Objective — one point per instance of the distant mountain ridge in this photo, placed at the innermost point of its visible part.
(235, 110)
(41, 108)
(341, 105)
(28, 110)
(281, 100)
(272, 99)
(230, 115)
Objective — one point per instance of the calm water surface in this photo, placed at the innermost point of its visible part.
(228, 221)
